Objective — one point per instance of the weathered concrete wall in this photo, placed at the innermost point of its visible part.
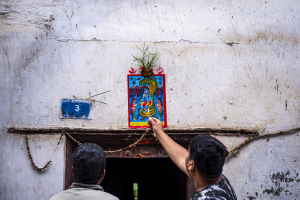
(267, 169)
(18, 178)
(228, 64)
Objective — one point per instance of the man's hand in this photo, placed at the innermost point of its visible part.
(155, 125)
(177, 153)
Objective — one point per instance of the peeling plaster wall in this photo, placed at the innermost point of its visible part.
(267, 169)
(228, 64)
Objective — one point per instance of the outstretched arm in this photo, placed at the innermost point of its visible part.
(177, 153)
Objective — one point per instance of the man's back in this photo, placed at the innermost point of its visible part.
(79, 191)
(222, 190)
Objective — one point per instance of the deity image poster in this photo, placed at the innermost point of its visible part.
(146, 98)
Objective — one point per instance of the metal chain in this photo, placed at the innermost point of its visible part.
(64, 132)
(230, 154)
(115, 151)
(252, 137)
(236, 149)
(130, 146)
(31, 159)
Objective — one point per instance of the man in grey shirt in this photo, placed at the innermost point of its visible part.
(89, 164)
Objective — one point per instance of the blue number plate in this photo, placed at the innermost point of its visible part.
(76, 109)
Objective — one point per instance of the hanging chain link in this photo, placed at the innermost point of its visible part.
(230, 153)
(31, 159)
(65, 132)
(79, 144)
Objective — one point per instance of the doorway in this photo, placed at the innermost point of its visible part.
(144, 179)
(144, 172)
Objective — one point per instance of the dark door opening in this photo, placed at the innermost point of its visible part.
(155, 178)
(147, 166)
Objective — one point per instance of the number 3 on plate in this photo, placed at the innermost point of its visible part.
(77, 108)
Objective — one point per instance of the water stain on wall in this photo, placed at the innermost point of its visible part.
(260, 36)
(281, 182)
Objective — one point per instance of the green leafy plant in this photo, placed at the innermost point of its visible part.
(146, 60)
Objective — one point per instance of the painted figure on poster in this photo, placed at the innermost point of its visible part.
(146, 99)
(160, 108)
(136, 92)
(133, 105)
(147, 108)
(158, 93)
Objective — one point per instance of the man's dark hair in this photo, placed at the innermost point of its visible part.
(88, 162)
(208, 154)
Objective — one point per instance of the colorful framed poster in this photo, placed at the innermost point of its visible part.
(146, 98)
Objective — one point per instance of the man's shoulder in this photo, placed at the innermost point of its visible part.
(109, 196)
(221, 190)
(84, 193)
(61, 195)
(213, 192)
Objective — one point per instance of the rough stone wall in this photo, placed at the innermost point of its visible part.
(228, 64)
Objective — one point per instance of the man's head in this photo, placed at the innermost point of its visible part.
(89, 163)
(208, 154)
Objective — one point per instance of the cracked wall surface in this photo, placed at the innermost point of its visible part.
(228, 64)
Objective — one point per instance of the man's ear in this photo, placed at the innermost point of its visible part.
(102, 177)
(72, 171)
(103, 174)
(191, 165)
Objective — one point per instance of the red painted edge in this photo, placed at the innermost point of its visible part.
(128, 99)
(164, 88)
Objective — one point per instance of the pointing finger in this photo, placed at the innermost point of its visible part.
(156, 120)
(150, 120)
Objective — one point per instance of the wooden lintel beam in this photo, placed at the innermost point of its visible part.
(92, 131)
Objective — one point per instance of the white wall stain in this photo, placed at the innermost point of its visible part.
(245, 67)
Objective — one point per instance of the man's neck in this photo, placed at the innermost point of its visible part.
(202, 182)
